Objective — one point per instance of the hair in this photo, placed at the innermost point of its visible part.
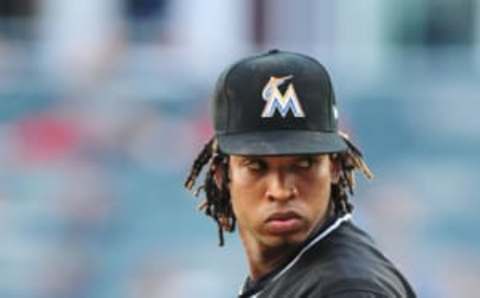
(217, 205)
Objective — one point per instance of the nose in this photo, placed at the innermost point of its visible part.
(281, 187)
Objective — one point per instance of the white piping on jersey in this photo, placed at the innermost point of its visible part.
(315, 240)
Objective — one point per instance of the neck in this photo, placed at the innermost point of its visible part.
(263, 260)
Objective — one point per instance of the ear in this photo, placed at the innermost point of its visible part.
(334, 168)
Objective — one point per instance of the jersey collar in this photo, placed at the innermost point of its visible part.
(253, 289)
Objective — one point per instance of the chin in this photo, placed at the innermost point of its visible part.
(288, 240)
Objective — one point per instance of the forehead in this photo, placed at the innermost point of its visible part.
(277, 158)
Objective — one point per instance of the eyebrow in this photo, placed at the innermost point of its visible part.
(308, 157)
(247, 158)
(250, 158)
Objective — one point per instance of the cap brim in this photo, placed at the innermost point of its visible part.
(285, 142)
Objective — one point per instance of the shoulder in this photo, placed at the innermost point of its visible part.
(347, 263)
(351, 287)
(344, 264)
(350, 247)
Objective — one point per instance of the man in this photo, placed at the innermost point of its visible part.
(279, 169)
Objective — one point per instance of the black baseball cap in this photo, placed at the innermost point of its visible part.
(276, 103)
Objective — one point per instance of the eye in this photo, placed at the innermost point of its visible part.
(305, 163)
(255, 165)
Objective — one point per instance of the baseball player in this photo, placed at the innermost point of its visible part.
(279, 170)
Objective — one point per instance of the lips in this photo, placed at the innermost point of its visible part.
(283, 215)
(283, 222)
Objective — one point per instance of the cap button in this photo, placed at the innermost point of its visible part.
(273, 51)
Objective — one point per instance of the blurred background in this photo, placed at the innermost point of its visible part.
(104, 105)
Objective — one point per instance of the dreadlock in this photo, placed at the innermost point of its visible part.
(217, 197)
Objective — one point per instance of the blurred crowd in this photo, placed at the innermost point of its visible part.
(104, 105)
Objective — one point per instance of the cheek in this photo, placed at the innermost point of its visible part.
(316, 186)
(246, 193)
(245, 183)
(242, 178)
(242, 193)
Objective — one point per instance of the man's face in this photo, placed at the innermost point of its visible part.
(279, 200)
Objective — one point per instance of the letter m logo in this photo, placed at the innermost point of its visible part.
(276, 101)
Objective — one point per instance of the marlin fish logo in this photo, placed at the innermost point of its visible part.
(281, 102)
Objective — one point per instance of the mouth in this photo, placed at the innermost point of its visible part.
(283, 222)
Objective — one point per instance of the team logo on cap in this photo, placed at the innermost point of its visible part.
(276, 101)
